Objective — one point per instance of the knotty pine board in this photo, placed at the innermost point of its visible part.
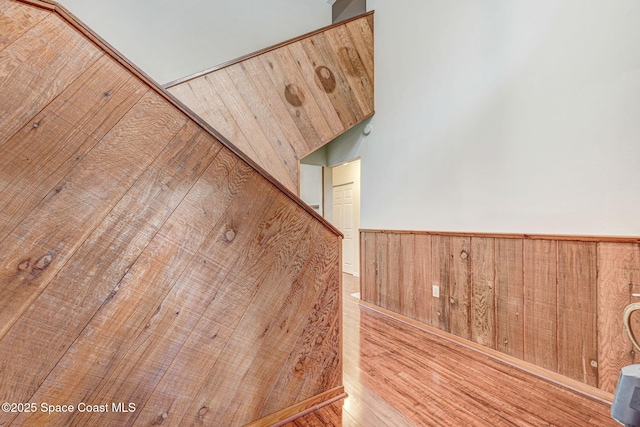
(36, 68)
(509, 297)
(540, 303)
(392, 282)
(440, 276)
(483, 292)
(35, 159)
(577, 311)
(315, 87)
(423, 292)
(15, 20)
(459, 297)
(124, 265)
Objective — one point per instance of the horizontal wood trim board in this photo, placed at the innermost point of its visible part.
(300, 409)
(545, 374)
(552, 301)
(99, 42)
(262, 51)
(577, 238)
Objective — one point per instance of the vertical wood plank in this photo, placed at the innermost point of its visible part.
(36, 68)
(440, 256)
(509, 297)
(406, 265)
(382, 266)
(618, 278)
(423, 281)
(540, 303)
(483, 323)
(460, 291)
(368, 266)
(577, 308)
(362, 36)
(393, 284)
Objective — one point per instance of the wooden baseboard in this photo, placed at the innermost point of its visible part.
(300, 409)
(545, 374)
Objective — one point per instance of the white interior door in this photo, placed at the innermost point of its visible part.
(343, 219)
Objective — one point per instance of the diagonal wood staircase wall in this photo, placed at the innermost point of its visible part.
(149, 270)
(284, 102)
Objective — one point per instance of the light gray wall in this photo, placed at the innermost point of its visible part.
(505, 116)
(170, 39)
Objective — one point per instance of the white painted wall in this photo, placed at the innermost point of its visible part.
(170, 39)
(311, 186)
(505, 116)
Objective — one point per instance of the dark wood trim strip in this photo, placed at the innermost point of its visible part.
(576, 238)
(300, 409)
(529, 368)
(44, 4)
(122, 60)
(261, 51)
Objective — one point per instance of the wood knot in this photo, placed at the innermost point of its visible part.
(464, 254)
(298, 366)
(314, 317)
(506, 342)
(439, 314)
(230, 235)
(36, 124)
(452, 300)
(319, 340)
(594, 364)
(43, 262)
(164, 416)
(24, 265)
(107, 94)
(203, 411)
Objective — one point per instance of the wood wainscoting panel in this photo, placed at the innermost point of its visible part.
(553, 301)
(618, 280)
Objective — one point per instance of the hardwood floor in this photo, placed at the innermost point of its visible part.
(398, 375)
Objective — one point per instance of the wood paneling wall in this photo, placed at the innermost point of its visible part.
(281, 104)
(143, 260)
(556, 302)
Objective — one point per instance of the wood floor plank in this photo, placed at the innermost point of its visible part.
(441, 276)
(460, 287)
(577, 308)
(35, 159)
(319, 93)
(618, 279)
(16, 19)
(36, 68)
(540, 303)
(483, 291)
(509, 297)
